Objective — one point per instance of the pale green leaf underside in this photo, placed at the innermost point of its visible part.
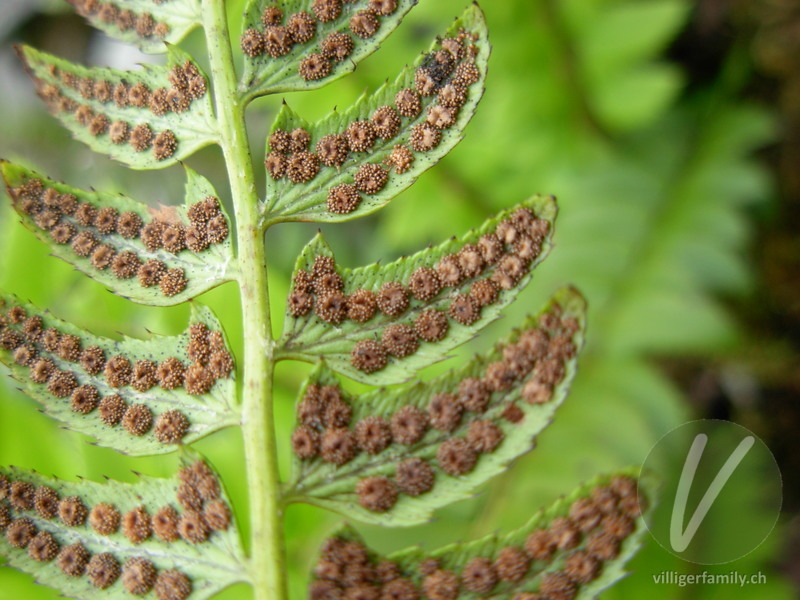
(180, 16)
(206, 414)
(454, 557)
(193, 129)
(310, 338)
(266, 75)
(202, 271)
(212, 565)
(287, 201)
(331, 487)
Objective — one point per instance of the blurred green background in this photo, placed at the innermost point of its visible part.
(669, 130)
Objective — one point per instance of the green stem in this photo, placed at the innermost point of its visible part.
(268, 573)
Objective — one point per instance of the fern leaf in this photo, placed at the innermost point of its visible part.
(138, 397)
(574, 549)
(382, 323)
(106, 541)
(153, 256)
(148, 119)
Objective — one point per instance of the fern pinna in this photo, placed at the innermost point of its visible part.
(389, 457)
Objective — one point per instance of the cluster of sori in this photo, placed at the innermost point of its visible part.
(465, 281)
(464, 422)
(555, 561)
(66, 91)
(279, 34)
(68, 368)
(109, 14)
(103, 236)
(446, 75)
(30, 513)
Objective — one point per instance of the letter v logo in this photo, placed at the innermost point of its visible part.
(679, 538)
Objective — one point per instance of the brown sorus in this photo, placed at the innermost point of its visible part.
(171, 426)
(361, 305)
(327, 10)
(540, 545)
(72, 511)
(377, 494)
(112, 409)
(484, 436)
(371, 178)
(373, 434)
(368, 356)
(136, 525)
(479, 575)
(61, 384)
(301, 27)
(20, 532)
(73, 560)
(172, 585)
(456, 457)
(444, 412)
(104, 518)
(441, 585)
(314, 66)
(46, 502)
(193, 527)
(511, 564)
(408, 425)
(414, 476)
(337, 46)
(474, 395)
(138, 576)
(392, 299)
(338, 446)
(431, 325)
(165, 524)
(170, 373)
(137, 419)
(400, 340)
(364, 24)
(84, 399)
(22, 495)
(103, 570)
(43, 547)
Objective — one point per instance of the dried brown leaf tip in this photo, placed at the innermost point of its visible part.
(553, 561)
(389, 131)
(209, 358)
(110, 15)
(102, 235)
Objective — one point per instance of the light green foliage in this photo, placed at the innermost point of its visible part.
(193, 127)
(309, 337)
(202, 271)
(207, 413)
(212, 565)
(285, 201)
(334, 487)
(265, 75)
